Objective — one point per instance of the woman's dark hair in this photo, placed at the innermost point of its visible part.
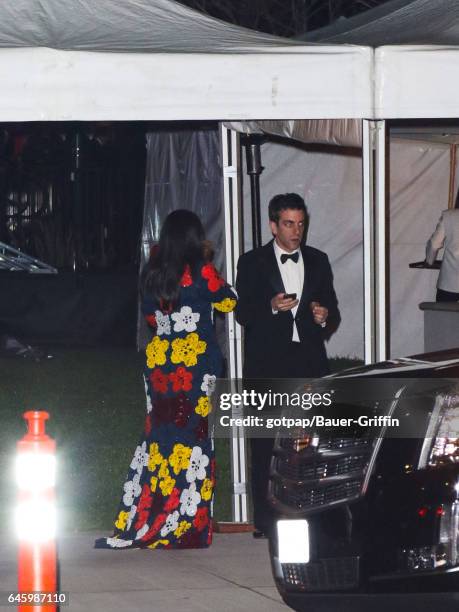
(181, 244)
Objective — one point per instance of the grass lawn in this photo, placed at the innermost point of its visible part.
(97, 405)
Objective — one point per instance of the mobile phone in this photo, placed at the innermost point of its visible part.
(289, 296)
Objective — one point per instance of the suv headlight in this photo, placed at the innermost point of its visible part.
(441, 444)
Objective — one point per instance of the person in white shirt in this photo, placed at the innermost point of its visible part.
(446, 235)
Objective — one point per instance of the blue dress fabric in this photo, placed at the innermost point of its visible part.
(168, 493)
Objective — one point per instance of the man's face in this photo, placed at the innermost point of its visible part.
(288, 232)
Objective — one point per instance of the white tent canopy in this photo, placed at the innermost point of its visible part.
(159, 60)
(416, 64)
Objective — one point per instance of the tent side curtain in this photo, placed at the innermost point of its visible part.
(183, 171)
(338, 132)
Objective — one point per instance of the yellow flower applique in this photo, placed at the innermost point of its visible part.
(163, 471)
(182, 528)
(166, 485)
(158, 543)
(206, 489)
(180, 458)
(204, 406)
(121, 521)
(226, 305)
(187, 349)
(154, 483)
(156, 352)
(155, 458)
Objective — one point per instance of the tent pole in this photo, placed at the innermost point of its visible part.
(232, 206)
(369, 335)
(452, 175)
(254, 169)
(375, 239)
(382, 241)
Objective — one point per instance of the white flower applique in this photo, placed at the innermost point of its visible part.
(163, 323)
(118, 542)
(189, 500)
(208, 384)
(131, 516)
(147, 395)
(142, 531)
(132, 490)
(140, 459)
(171, 524)
(197, 466)
(185, 320)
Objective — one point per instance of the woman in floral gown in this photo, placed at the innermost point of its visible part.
(168, 494)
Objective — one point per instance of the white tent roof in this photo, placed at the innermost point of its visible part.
(399, 22)
(159, 60)
(416, 70)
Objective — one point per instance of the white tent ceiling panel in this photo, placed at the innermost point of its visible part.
(416, 81)
(44, 84)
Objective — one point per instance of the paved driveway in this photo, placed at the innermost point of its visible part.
(233, 575)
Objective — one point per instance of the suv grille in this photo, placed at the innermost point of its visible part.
(307, 497)
(330, 473)
(294, 468)
(324, 575)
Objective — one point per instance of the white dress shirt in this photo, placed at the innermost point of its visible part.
(446, 235)
(293, 278)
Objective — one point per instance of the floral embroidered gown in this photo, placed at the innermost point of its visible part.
(168, 494)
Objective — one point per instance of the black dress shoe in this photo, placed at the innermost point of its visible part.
(258, 534)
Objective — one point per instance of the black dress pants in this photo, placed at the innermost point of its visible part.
(292, 363)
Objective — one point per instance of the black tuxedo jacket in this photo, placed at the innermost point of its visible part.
(268, 336)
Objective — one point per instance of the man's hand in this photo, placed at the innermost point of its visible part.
(279, 303)
(319, 313)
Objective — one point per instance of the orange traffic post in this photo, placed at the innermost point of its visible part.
(36, 517)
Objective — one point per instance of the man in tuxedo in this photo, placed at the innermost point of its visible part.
(287, 305)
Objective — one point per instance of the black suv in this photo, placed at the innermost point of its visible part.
(367, 521)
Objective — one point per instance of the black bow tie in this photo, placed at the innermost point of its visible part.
(292, 256)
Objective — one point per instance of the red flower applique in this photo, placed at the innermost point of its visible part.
(202, 429)
(159, 380)
(186, 279)
(148, 425)
(191, 539)
(172, 409)
(142, 518)
(145, 499)
(151, 320)
(183, 410)
(143, 507)
(214, 280)
(181, 379)
(201, 519)
(155, 527)
(173, 500)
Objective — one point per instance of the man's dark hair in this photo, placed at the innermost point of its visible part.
(285, 201)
